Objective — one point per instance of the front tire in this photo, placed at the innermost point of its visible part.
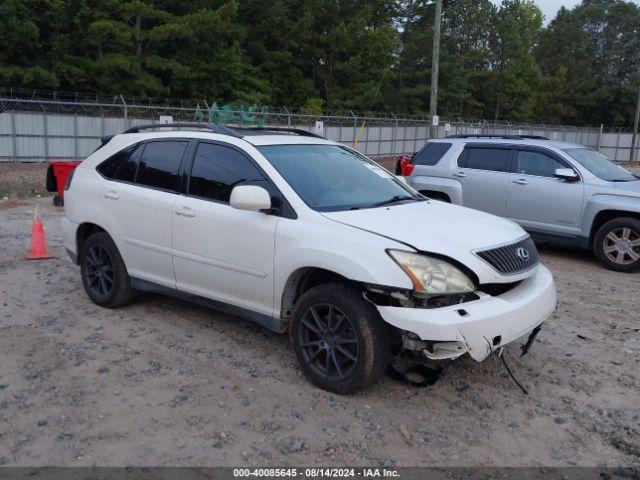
(339, 339)
(104, 274)
(617, 244)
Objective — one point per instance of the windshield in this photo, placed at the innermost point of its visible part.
(331, 177)
(600, 165)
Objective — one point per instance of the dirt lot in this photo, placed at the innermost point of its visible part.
(22, 179)
(163, 382)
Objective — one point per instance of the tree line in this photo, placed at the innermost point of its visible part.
(496, 61)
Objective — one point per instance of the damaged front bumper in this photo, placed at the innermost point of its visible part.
(479, 326)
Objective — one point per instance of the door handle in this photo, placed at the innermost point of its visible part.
(185, 212)
(521, 181)
(459, 174)
(111, 195)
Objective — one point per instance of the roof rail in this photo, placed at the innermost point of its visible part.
(295, 131)
(105, 139)
(505, 137)
(534, 137)
(221, 129)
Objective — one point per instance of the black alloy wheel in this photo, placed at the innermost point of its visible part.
(341, 342)
(99, 271)
(328, 342)
(104, 274)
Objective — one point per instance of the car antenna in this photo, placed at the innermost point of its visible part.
(504, 361)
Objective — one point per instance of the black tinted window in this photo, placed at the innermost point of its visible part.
(485, 159)
(535, 163)
(431, 153)
(122, 166)
(217, 169)
(160, 164)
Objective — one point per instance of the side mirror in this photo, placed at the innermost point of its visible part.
(402, 179)
(567, 174)
(250, 197)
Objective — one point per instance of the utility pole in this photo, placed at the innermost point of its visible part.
(433, 101)
(634, 137)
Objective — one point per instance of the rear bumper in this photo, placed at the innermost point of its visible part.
(482, 325)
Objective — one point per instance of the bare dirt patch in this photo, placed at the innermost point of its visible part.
(163, 382)
(12, 203)
(22, 179)
(387, 162)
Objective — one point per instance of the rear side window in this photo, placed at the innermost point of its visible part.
(160, 164)
(493, 159)
(431, 153)
(122, 166)
(535, 163)
(217, 169)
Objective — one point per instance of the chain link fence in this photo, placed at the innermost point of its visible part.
(42, 126)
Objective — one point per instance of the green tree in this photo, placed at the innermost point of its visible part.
(592, 54)
(465, 56)
(21, 48)
(200, 54)
(468, 30)
(350, 47)
(496, 61)
(512, 80)
(273, 43)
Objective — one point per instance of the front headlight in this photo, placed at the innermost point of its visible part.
(432, 276)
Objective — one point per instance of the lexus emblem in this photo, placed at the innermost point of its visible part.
(522, 254)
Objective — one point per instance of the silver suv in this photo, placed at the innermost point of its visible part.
(559, 192)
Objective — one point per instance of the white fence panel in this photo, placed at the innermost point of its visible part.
(41, 130)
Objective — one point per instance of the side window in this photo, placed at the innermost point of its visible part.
(535, 163)
(122, 166)
(160, 163)
(431, 153)
(217, 169)
(493, 159)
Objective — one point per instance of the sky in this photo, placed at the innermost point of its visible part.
(550, 7)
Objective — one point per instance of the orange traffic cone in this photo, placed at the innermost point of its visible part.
(38, 244)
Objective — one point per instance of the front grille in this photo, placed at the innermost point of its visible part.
(512, 259)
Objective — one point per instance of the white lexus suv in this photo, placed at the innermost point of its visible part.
(304, 235)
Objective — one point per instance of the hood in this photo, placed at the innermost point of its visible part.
(630, 189)
(441, 228)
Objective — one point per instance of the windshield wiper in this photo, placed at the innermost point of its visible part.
(394, 199)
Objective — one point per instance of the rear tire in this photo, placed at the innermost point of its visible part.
(104, 274)
(617, 244)
(339, 338)
(57, 201)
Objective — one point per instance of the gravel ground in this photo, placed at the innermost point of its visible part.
(22, 179)
(163, 382)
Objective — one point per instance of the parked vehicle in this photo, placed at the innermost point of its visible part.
(559, 192)
(303, 235)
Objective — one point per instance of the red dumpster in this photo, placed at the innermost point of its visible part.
(404, 166)
(57, 175)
